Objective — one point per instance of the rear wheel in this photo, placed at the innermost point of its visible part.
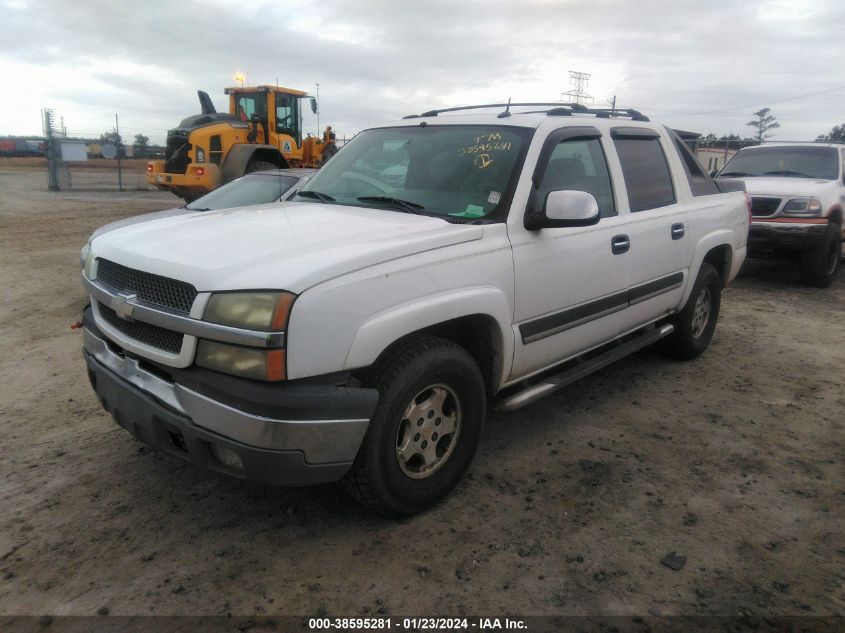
(819, 265)
(425, 429)
(695, 324)
(259, 165)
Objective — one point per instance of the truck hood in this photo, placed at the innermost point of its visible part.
(793, 187)
(288, 246)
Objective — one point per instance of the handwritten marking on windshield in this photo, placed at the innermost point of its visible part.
(483, 161)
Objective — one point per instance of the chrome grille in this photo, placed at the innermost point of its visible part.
(764, 206)
(155, 289)
(152, 335)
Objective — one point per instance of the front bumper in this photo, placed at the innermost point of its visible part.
(296, 437)
(769, 237)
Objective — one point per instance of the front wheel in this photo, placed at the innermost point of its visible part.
(819, 265)
(695, 324)
(425, 429)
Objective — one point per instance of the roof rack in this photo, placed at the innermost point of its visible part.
(556, 109)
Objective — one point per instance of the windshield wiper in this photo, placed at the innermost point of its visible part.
(322, 197)
(786, 172)
(405, 205)
(197, 208)
(734, 173)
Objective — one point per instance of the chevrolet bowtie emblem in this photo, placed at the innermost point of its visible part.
(121, 306)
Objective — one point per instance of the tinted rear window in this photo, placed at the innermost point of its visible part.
(699, 183)
(646, 172)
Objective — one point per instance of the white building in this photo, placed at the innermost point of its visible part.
(712, 158)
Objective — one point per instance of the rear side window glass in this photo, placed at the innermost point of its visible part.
(646, 172)
(579, 165)
(699, 183)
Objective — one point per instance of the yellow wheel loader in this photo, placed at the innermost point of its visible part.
(262, 130)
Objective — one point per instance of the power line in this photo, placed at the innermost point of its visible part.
(755, 105)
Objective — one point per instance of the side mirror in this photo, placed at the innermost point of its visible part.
(563, 209)
(313, 105)
(713, 173)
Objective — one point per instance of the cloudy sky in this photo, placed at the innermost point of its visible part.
(702, 65)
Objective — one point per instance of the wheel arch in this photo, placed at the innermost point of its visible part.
(715, 249)
(239, 156)
(721, 258)
(484, 333)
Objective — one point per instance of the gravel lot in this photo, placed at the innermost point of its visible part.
(734, 461)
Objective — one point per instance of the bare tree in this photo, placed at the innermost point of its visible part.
(764, 122)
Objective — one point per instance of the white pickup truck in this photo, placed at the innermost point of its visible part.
(797, 198)
(435, 267)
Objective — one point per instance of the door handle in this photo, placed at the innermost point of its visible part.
(677, 231)
(620, 244)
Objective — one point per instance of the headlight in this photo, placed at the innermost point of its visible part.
(242, 361)
(200, 155)
(86, 259)
(265, 311)
(803, 206)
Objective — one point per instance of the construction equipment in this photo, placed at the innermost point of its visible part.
(262, 130)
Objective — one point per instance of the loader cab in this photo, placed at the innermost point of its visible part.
(287, 116)
(276, 109)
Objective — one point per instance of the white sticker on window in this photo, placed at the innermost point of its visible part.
(494, 197)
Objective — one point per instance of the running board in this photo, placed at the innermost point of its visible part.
(584, 368)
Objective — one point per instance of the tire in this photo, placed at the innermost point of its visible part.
(820, 264)
(259, 165)
(404, 465)
(695, 324)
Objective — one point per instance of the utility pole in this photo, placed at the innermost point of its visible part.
(119, 144)
(613, 106)
(318, 110)
(578, 87)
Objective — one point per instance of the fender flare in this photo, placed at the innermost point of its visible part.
(722, 237)
(382, 330)
(239, 156)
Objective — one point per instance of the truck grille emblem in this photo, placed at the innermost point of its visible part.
(121, 306)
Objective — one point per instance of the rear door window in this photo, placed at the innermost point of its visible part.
(646, 172)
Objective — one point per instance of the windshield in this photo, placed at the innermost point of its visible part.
(460, 173)
(247, 190)
(795, 162)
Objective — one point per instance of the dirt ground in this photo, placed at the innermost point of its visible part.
(734, 461)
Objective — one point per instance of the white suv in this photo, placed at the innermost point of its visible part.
(436, 266)
(797, 197)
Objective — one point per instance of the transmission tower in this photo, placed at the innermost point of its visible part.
(578, 88)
